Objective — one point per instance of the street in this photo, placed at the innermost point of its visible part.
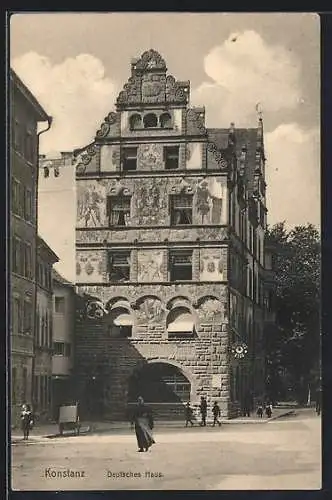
(282, 454)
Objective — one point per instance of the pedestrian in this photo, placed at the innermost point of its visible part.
(216, 413)
(26, 420)
(260, 410)
(143, 420)
(188, 411)
(247, 404)
(268, 410)
(203, 410)
(318, 401)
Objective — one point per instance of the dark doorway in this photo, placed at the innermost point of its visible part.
(159, 383)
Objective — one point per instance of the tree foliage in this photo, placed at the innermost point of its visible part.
(293, 347)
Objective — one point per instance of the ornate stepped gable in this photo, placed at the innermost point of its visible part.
(149, 84)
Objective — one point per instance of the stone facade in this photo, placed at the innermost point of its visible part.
(162, 245)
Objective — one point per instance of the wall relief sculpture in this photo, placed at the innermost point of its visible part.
(211, 265)
(211, 310)
(89, 266)
(149, 310)
(91, 204)
(150, 157)
(150, 265)
(209, 201)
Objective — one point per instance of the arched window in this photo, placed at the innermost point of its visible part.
(165, 120)
(121, 322)
(150, 121)
(135, 121)
(180, 322)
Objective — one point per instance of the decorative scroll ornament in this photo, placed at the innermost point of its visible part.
(109, 120)
(95, 309)
(82, 158)
(239, 351)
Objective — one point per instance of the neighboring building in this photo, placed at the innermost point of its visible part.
(63, 340)
(25, 113)
(42, 393)
(170, 239)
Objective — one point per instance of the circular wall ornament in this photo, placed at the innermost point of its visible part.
(239, 350)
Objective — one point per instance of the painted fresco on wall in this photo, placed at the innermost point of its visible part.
(150, 157)
(211, 310)
(150, 310)
(211, 264)
(210, 196)
(89, 266)
(91, 204)
(150, 265)
(151, 202)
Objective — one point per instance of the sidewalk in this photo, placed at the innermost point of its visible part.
(52, 430)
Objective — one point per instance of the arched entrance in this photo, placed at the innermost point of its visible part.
(163, 387)
(159, 383)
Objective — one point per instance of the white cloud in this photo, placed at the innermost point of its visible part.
(75, 92)
(293, 175)
(244, 71)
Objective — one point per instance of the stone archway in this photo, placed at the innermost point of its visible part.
(163, 386)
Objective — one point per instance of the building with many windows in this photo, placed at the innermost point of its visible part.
(25, 114)
(42, 393)
(63, 341)
(169, 254)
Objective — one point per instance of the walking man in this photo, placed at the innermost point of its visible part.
(203, 410)
(188, 414)
(216, 414)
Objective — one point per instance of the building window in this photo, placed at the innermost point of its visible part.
(118, 210)
(135, 122)
(15, 196)
(16, 255)
(28, 205)
(27, 317)
(62, 349)
(129, 159)
(18, 138)
(21, 200)
(28, 146)
(150, 121)
(59, 304)
(59, 348)
(165, 120)
(180, 322)
(16, 315)
(14, 382)
(171, 157)
(24, 384)
(180, 265)
(119, 266)
(181, 209)
(27, 260)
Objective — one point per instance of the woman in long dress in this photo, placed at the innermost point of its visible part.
(143, 420)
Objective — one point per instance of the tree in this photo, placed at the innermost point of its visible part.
(293, 347)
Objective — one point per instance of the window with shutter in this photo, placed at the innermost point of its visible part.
(181, 210)
(180, 265)
(171, 157)
(129, 159)
(119, 266)
(118, 210)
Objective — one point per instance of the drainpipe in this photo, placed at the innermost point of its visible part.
(49, 121)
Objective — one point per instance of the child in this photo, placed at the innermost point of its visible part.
(216, 414)
(188, 414)
(260, 410)
(26, 420)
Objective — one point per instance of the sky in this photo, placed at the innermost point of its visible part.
(77, 63)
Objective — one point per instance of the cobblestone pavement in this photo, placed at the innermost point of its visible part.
(284, 454)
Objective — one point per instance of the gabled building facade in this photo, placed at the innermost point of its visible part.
(25, 113)
(170, 253)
